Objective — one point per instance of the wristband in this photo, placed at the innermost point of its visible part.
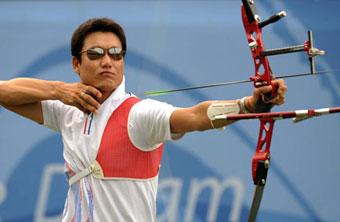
(243, 108)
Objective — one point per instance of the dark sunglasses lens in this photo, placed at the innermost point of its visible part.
(116, 53)
(95, 53)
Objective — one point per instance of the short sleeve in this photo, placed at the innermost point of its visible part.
(51, 113)
(149, 124)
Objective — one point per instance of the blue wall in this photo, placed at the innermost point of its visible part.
(205, 176)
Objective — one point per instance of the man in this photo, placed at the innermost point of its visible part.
(112, 140)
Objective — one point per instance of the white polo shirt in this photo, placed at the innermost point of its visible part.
(91, 199)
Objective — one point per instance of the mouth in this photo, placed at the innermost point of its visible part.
(107, 73)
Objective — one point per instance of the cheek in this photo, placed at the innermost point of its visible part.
(121, 67)
(86, 72)
(89, 67)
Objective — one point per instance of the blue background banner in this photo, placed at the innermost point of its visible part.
(205, 176)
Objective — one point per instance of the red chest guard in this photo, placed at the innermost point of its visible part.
(118, 157)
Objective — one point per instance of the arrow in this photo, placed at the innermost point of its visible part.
(167, 91)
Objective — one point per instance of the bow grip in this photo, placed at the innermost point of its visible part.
(271, 95)
(263, 105)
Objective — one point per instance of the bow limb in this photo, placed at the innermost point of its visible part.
(263, 74)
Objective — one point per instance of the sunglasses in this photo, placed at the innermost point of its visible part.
(97, 53)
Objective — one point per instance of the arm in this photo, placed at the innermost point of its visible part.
(24, 95)
(195, 118)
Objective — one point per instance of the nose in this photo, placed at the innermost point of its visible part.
(106, 60)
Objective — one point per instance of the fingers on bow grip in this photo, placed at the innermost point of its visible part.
(265, 105)
(267, 97)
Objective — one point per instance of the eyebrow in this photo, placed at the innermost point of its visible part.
(97, 46)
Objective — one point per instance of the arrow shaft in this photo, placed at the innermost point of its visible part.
(166, 91)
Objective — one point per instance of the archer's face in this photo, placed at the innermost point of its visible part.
(103, 73)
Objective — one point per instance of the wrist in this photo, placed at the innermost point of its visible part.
(55, 92)
(250, 104)
(244, 105)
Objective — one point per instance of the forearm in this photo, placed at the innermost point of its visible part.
(223, 107)
(196, 118)
(22, 91)
(202, 116)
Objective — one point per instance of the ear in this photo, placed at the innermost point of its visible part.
(76, 64)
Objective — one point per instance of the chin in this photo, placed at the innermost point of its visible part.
(107, 88)
(108, 84)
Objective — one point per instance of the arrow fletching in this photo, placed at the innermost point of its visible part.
(158, 92)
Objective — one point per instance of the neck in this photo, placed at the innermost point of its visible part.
(106, 92)
(105, 95)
